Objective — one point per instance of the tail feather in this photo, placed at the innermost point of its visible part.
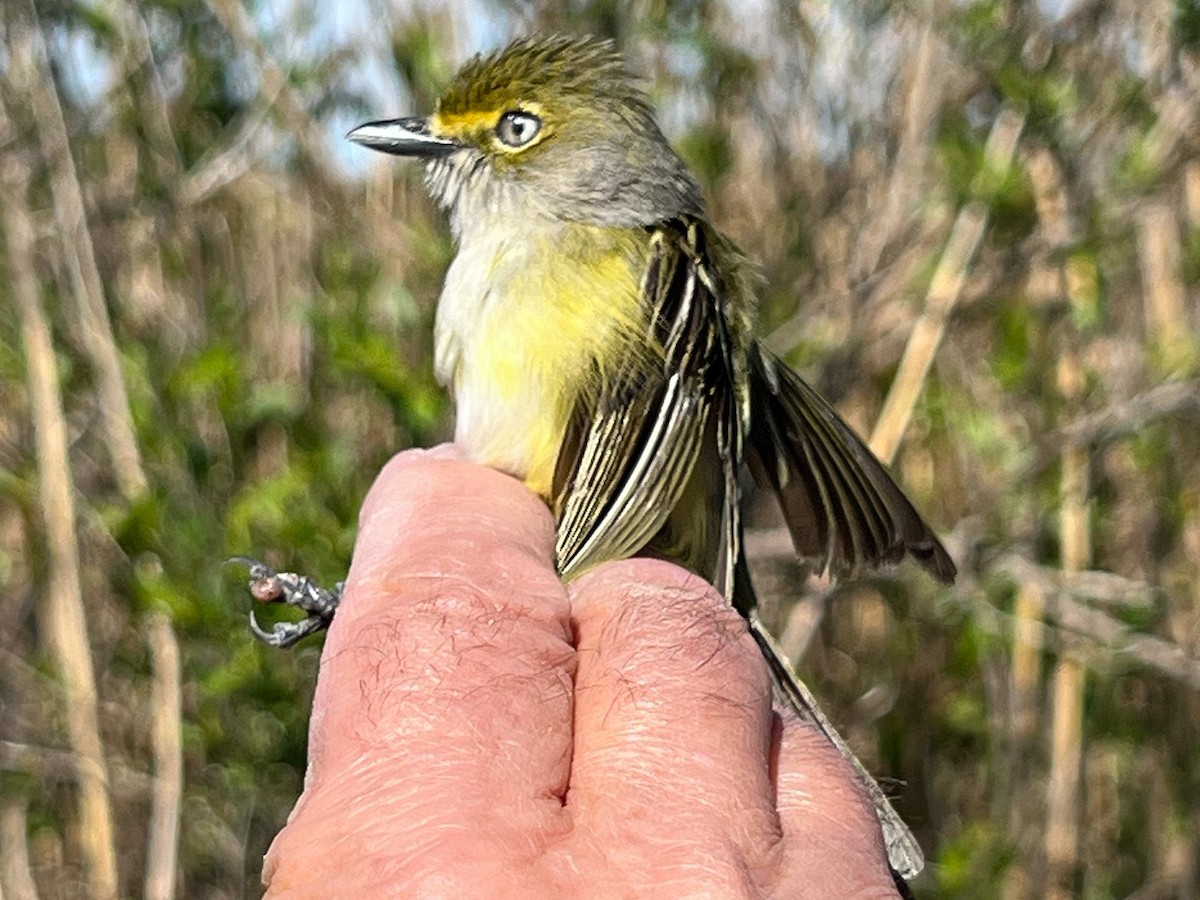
(845, 513)
(903, 851)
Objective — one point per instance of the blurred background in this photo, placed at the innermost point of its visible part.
(979, 229)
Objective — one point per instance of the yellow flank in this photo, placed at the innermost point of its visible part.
(561, 314)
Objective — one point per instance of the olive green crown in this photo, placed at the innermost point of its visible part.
(571, 68)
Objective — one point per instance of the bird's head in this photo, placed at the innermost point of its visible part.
(554, 127)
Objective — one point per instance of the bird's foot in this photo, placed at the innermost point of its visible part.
(300, 591)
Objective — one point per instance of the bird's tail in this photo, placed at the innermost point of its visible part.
(904, 853)
(845, 514)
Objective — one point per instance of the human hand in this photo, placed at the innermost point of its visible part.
(479, 729)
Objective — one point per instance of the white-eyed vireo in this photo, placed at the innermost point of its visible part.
(598, 336)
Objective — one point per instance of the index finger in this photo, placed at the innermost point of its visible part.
(444, 694)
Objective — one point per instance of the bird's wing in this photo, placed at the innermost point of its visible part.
(628, 454)
(842, 507)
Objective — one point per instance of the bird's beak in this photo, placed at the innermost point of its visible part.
(403, 137)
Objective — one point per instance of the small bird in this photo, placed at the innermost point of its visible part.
(598, 336)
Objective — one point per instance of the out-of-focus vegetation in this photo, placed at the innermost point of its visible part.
(215, 329)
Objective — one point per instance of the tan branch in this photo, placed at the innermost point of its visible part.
(1074, 618)
(944, 291)
(1129, 417)
(1174, 401)
(48, 765)
(162, 851)
(227, 163)
(32, 76)
(16, 876)
(64, 612)
(1066, 724)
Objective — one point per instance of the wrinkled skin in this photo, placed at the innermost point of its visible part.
(481, 730)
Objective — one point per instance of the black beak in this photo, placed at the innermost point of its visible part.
(403, 137)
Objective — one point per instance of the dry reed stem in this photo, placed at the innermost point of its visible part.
(166, 730)
(1026, 674)
(1191, 193)
(1045, 283)
(944, 291)
(1025, 678)
(16, 877)
(1066, 726)
(31, 69)
(1175, 119)
(64, 615)
(1163, 291)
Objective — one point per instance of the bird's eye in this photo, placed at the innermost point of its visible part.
(516, 128)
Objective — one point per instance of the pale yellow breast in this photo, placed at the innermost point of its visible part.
(528, 320)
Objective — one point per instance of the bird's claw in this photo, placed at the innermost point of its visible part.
(268, 586)
(285, 634)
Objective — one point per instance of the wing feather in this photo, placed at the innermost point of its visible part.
(628, 455)
(842, 507)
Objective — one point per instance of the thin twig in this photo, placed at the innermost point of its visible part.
(224, 165)
(1129, 417)
(137, 57)
(1068, 598)
(901, 192)
(273, 87)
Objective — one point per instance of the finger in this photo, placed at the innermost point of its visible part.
(444, 695)
(673, 725)
(833, 846)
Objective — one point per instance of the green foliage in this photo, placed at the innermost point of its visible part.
(1186, 26)
(973, 863)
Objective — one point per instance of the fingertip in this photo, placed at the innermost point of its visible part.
(444, 545)
(656, 621)
(401, 470)
(438, 513)
(451, 650)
